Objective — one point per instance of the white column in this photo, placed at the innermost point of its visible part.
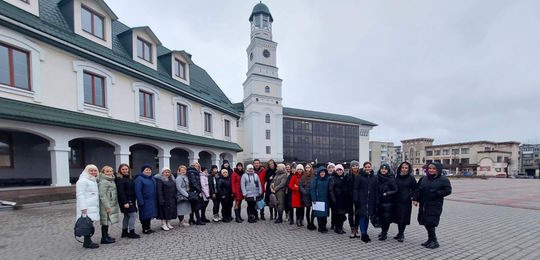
(164, 159)
(60, 165)
(121, 155)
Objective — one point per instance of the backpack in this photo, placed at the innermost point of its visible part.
(83, 227)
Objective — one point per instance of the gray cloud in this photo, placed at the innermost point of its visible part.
(451, 70)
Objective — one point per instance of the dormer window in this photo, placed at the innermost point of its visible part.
(144, 50)
(179, 69)
(92, 22)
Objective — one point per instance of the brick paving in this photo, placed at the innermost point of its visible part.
(473, 226)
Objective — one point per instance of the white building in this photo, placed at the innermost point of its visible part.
(77, 87)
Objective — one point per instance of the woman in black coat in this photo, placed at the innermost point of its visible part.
(364, 197)
(402, 206)
(386, 188)
(268, 178)
(224, 193)
(339, 196)
(127, 200)
(166, 197)
(431, 191)
(194, 177)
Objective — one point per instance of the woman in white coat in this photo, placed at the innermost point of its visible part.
(88, 199)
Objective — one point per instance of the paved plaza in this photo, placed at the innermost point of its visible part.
(482, 219)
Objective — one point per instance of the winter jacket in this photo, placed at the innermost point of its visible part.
(430, 194)
(224, 188)
(402, 200)
(269, 176)
(108, 198)
(212, 183)
(365, 194)
(183, 207)
(305, 188)
(87, 195)
(194, 177)
(145, 191)
(126, 194)
(251, 185)
(339, 194)
(386, 188)
(166, 197)
(280, 185)
(294, 188)
(236, 180)
(204, 186)
(261, 172)
(319, 193)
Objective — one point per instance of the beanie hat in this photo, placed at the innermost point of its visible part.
(300, 167)
(330, 164)
(355, 163)
(250, 166)
(339, 166)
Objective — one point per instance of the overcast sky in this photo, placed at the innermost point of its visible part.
(451, 70)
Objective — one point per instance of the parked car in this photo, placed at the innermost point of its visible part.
(466, 174)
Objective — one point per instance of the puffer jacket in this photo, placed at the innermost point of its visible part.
(386, 188)
(145, 191)
(365, 194)
(108, 198)
(126, 194)
(87, 195)
(251, 185)
(430, 194)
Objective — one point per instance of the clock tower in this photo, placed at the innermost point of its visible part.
(263, 111)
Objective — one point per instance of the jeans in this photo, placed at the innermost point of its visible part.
(363, 222)
(215, 208)
(251, 208)
(129, 221)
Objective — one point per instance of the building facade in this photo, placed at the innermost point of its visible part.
(530, 160)
(78, 87)
(414, 152)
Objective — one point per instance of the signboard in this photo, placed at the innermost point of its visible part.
(485, 168)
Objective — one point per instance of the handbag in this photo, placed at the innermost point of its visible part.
(260, 204)
(83, 227)
(180, 197)
(193, 197)
(274, 203)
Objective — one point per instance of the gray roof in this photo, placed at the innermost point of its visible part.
(51, 21)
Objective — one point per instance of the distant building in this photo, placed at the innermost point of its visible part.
(530, 159)
(414, 152)
(395, 157)
(382, 152)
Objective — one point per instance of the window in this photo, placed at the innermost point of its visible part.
(429, 161)
(455, 151)
(267, 118)
(268, 150)
(446, 152)
(464, 150)
(144, 50)
(76, 155)
(487, 149)
(446, 161)
(465, 160)
(227, 124)
(179, 69)
(267, 89)
(94, 89)
(437, 152)
(208, 122)
(499, 159)
(267, 134)
(265, 21)
(182, 115)
(146, 104)
(92, 22)
(257, 21)
(14, 67)
(429, 153)
(6, 151)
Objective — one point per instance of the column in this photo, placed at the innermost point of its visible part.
(164, 159)
(60, 165)
(121, 155)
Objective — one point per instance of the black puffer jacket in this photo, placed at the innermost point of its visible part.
(402, 206)
(365, 194)
(224, 188)
(430, 194)
(339, 194)
(166, 197)
(194, 177)
(386, 188)
(126, 194)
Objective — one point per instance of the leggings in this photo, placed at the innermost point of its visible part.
(300, 214)
(431, 233)
(129, 221)
(226, 205)
(181, 218)
(401, 228)
(363, 223)
(204, 205)
(251, 209)
(309, 215)
(338, 220)
(321, 222)
(353, 220)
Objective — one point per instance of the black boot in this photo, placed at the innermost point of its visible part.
(132, 234)
(237, 216)
(311, 226)
(433, 244)
(88, 243)
(279, 218)
(124, 232)
(426, 243)
(105, 239)
(399, 237)
(365, 238)
(251, 219)
(382, 236)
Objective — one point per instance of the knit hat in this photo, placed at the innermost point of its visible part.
(144, 166)
(355, 163)
(300, 167)
(250, 166)
(330, 164)
(225, 161)
(164, 169)
(339, 166)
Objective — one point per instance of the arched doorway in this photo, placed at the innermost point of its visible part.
(226, 156)
(205, 159)
(24, 159)
(178, 157)
(86, 151)
(143, 154)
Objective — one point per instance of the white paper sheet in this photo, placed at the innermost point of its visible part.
(319, 206)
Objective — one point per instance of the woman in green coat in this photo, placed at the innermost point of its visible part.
(319, 194)
(108, 203)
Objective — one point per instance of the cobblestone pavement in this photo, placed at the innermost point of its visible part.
(467, 231)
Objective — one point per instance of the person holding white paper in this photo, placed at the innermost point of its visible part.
(319, 197)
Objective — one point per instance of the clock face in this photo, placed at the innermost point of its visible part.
(251, 56)
(266, 53)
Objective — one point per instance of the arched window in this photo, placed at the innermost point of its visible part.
(267, 118)
(267, 89)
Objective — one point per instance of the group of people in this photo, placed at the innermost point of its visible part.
(292, 192)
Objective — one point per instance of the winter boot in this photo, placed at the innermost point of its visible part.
(105, 239)
(237, 216)
(88, 243)
(433, 244)
(382, 236)
(365, 238)
(132, 234)
(124, 232)
(279, 218)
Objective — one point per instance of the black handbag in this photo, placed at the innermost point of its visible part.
(83, 227)
(193, 196)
